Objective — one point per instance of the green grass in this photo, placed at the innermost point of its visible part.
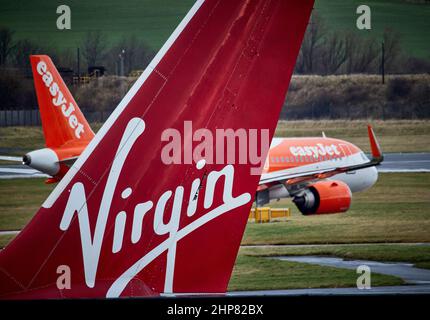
(407, 18)
(4, 240)
(423, 265)
(19, 201)
(154, 20)
(261, 273)
(151, 20)
(22, 138)
(417, 254)
(396, 209)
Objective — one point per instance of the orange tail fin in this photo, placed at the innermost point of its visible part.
(62, 120)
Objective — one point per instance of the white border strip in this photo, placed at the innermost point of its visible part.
(120, 108)
(380, 169)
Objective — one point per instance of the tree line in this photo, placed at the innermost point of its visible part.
(325, 52)
(95, 49)
(121, 57)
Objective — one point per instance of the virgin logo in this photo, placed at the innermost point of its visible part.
(92, 244)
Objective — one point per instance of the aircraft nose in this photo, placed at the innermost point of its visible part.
(372, 176)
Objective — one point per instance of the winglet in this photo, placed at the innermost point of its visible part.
(374, 145)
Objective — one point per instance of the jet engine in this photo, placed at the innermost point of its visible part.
(44, 160)
(324, 197)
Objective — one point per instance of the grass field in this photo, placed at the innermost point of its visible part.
(154, 20)
(396, 209)
(19, 201)
(151, 20)
(409, 18)
(393, 135)
(261, 273)
(255, 271)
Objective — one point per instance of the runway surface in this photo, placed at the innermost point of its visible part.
(334, 244)
(405, 271)
(391, 290)
(405, 162)
(393, 162)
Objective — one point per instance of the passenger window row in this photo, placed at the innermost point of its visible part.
(303, 159)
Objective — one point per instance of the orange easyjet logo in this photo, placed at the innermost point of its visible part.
(59, 100)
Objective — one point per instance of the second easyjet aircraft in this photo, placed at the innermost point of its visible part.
(318, 173)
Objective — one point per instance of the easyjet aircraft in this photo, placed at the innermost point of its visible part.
(123, 223)
(65, 128)
(318, 173)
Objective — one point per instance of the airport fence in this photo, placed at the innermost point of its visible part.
(9, 118)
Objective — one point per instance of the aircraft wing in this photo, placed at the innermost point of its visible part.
(15, 172)
(297, 175)
(69, 161)
(12, 159)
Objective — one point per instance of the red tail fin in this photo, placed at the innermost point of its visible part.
(124, 222)
(374, 144)
(62, 120)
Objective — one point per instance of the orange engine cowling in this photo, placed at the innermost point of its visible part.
(324, 197)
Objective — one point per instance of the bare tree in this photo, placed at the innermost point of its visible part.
(66, 57)
(136, 54)
(6, 45)
(392, 49)
(94, 47)
(311, 45)
(22, 50)
(333, 54)
(361, 53)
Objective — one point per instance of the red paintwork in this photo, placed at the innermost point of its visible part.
(374, 145)
(234, 58)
